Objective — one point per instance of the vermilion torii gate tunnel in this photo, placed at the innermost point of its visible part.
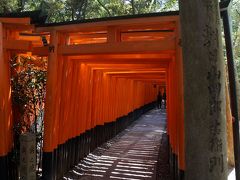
(102, 75)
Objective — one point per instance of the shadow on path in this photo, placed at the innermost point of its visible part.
(134, 154)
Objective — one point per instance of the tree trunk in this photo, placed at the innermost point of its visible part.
(20, 5)
(204, 91)
(133, 7)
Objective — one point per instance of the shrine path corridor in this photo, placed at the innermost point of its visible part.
(131, 155)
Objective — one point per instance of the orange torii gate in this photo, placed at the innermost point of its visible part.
(102, 74)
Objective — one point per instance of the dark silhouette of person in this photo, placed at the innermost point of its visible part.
(159, 100)
(164, 97)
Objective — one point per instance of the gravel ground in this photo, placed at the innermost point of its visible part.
(137, 153)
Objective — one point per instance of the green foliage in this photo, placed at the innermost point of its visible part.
(7, 6)
(236, 32)
(28, 91)
(170, 5)
(28, 81)
(75, 9)
(65, 10)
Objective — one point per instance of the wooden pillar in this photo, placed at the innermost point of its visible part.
(204, 91)
(180, 101)
(5, 108)
(50, 130)
(229, 119)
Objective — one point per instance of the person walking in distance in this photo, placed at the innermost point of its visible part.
(159, 100)
(164, 97)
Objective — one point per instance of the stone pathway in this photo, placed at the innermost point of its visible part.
(132, 155)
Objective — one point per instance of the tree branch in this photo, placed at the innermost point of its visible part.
(133, 7)
(238, 12)
(151, 4)
(109, 13)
